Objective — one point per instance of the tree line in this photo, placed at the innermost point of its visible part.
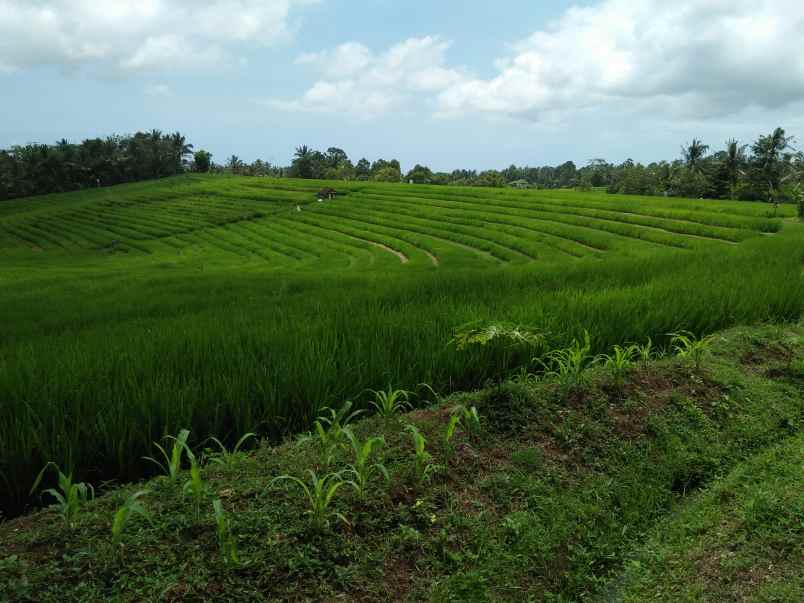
(38, 169)
(769, 169)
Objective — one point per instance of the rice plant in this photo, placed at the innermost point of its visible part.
(362, 469)
(131, 507)
(172, 464)
(225, 457)
(227, 543)
(569, 365)
(69, 495)
(318, 495)
(423, 469)
(391, 402)
(687, 346)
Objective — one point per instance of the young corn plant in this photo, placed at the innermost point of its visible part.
(391, 402)
(329, 428)
(646, 352)
(687, 346)
(449, 434)
(422, 468)
(318, 496)
(131, 507)
(619, 362)
(569, 365)
(470, 418)
(69, 496)
(172, 464)
(363, 469)
(225, 457)
(227, 543)
(195, 486)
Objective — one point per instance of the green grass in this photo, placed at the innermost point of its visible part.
(211, 303)
(669, 483)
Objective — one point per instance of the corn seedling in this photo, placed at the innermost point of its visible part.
(226, 457)
(132, 506)
(329, 428)
(172, 465)
(619, 361)
(569, 365)
(195, 486)
(227, 543)
(318, 494)
(391, 401)
(646, 352)
(69, 495)
(362, 469)
(687, 346)
(423, 469)
(469, 416)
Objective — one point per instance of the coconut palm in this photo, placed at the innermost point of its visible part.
(694, 153)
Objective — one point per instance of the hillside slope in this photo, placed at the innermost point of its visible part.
(558, 490)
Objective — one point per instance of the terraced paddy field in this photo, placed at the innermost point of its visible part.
(227, 304)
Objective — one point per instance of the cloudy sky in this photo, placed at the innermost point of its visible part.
(453, 83)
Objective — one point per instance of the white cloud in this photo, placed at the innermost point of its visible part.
(696, 58)
(135, 35)
(357, 81)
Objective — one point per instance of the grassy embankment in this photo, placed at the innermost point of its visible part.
(668, 481)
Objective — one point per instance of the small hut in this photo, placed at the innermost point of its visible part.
(327, 193)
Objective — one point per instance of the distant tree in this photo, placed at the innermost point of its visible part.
(420, 174)
(302, 166)
(491, 178)
(234, 164)
(768, 163)
(363, 169)
(202, 161)
(733, 163)
(387, 174)
(694, 153)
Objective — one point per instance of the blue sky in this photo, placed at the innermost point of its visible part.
(450, 84)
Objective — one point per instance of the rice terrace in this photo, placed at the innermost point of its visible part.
(331, 379)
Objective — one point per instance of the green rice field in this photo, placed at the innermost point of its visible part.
(232, 304)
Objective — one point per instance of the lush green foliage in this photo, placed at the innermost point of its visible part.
(211, 303)
(37, 169)
(607, 495)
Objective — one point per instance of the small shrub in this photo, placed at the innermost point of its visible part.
(69, 495)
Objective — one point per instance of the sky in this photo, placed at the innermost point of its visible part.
(448, 83)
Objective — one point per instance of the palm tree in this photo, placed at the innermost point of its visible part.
(234, 163)
(768, 159)
(734, 162)
(694, 153)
